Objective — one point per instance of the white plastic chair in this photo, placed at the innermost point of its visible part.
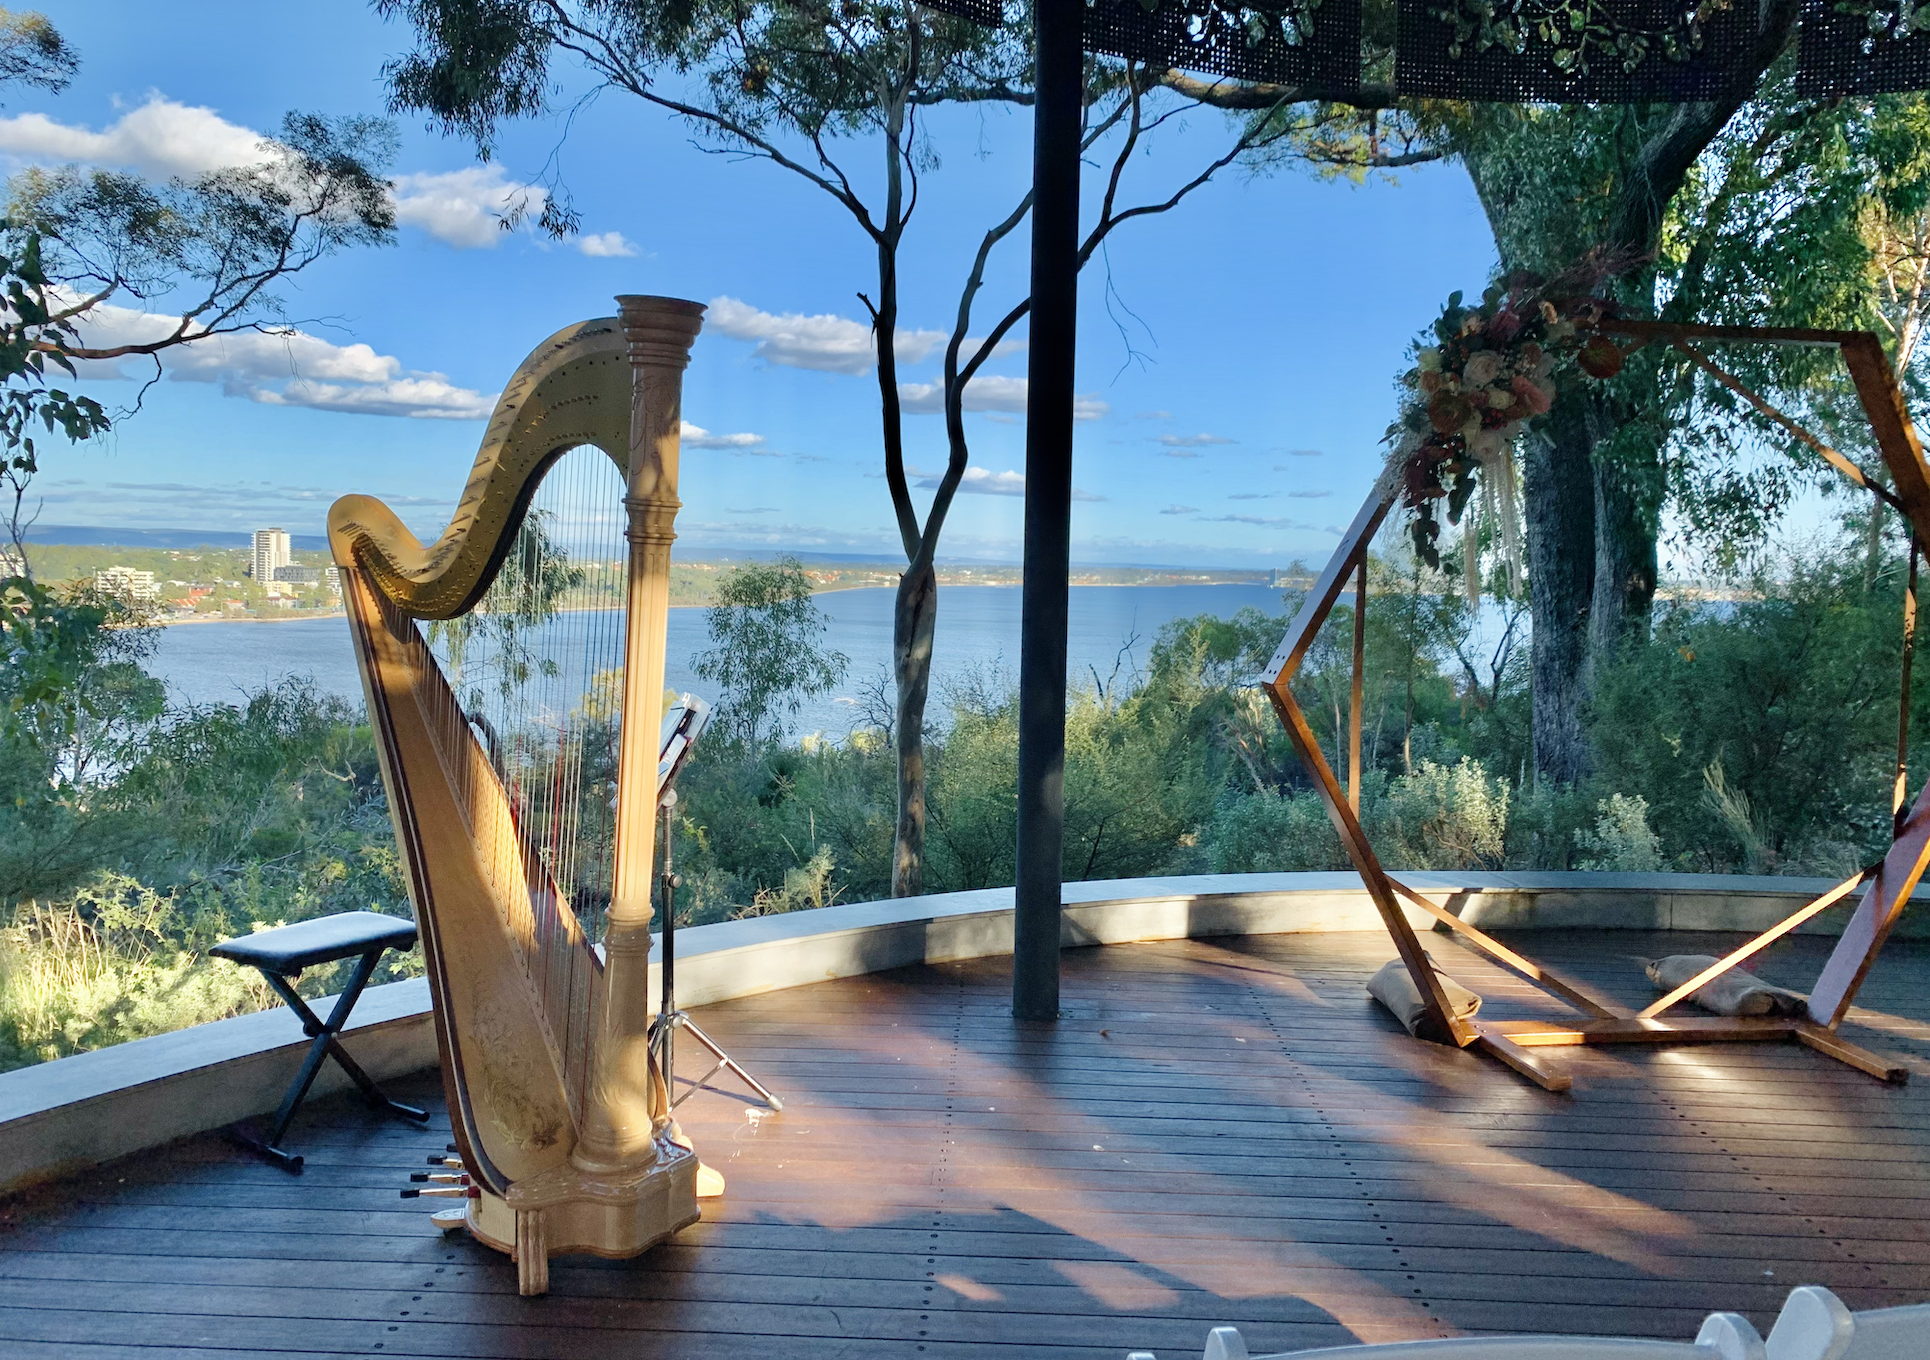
(1814, 1325)
(1891, 1334)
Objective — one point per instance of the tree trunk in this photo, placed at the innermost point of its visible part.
(1561, 581)
(1625, 533)
(913, 617)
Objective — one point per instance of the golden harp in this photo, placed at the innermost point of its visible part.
(514, 671)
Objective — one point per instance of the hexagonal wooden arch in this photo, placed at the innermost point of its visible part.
(1886, 885)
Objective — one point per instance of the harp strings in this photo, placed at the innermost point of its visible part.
(534, 689)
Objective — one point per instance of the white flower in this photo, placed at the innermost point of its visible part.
(1430, 360)
(1482, 368)
(1486, 444)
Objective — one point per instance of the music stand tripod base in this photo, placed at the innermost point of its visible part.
(663, 1031)
(662, 1034)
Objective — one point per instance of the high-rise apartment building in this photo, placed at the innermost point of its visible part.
(127, 583)
(271, 551)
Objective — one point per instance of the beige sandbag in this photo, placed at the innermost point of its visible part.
(1732, 993)
(1394, 989)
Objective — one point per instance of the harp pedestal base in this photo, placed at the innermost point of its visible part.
(567, 1210)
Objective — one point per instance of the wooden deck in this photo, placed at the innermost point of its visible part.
(1220, 1131)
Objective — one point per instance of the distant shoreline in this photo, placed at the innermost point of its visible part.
(286, 616)
(297, 616)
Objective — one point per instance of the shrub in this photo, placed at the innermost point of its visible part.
(1445, 817)
(1621, 840)
(1273, 833)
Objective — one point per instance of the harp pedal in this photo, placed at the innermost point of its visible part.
(444, 1192)
(450, 1219)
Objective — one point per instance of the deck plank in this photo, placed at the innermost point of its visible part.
(1218, 1131)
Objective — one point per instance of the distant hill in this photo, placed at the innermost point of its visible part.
(99, 536)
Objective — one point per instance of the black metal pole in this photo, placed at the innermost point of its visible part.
(1056, 116)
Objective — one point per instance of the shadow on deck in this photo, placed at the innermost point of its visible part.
(1218, 1131)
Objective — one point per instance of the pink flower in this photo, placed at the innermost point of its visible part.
(1505, 326)
(1482, 368)
(1534, 398)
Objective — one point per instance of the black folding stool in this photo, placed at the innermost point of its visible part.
(281, 955)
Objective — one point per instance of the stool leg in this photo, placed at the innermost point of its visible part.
(324, 1045)
(305, 1078)
(337, 1018)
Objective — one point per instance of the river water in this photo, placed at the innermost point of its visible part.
(977, 635)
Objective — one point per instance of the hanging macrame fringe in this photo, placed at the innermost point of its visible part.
(1498, 509)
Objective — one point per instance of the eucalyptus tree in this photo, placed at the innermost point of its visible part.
(1560, 184)
(87, 256)
(767, 650)
(813, 88)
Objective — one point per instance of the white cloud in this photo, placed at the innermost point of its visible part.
(160, 138)
(184, 505)
(164, 139)
(606, 245)
(422, 396)
(989, 393)
(1193, 441)
(1180, 510)
(1272, 522)
(292, 369)
(697, 437)
(1256, 495)
(465, 207)
(979, 481)
(1153, 415)
(1303, 453)
(1309, 495)
(826, 342)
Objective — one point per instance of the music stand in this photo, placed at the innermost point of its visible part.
(681, 727)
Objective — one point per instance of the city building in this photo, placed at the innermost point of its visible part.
(126, 583)
(332, 577)
(271, 550)
(296, 575)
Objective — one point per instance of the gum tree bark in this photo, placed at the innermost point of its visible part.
(1627, 505)
(1560, 508)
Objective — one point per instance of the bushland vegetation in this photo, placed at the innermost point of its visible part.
(135, 834)
(1752, 734)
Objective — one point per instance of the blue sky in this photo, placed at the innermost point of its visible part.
(1269, 314)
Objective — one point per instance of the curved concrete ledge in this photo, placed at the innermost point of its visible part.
(80, 1111)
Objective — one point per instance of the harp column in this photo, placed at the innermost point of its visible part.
(619, 1127)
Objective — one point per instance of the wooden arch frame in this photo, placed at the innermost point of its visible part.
(1887, 884)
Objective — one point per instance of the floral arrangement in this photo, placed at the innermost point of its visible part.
(1489, 372)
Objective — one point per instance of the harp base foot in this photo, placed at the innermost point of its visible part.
(566, 1210)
